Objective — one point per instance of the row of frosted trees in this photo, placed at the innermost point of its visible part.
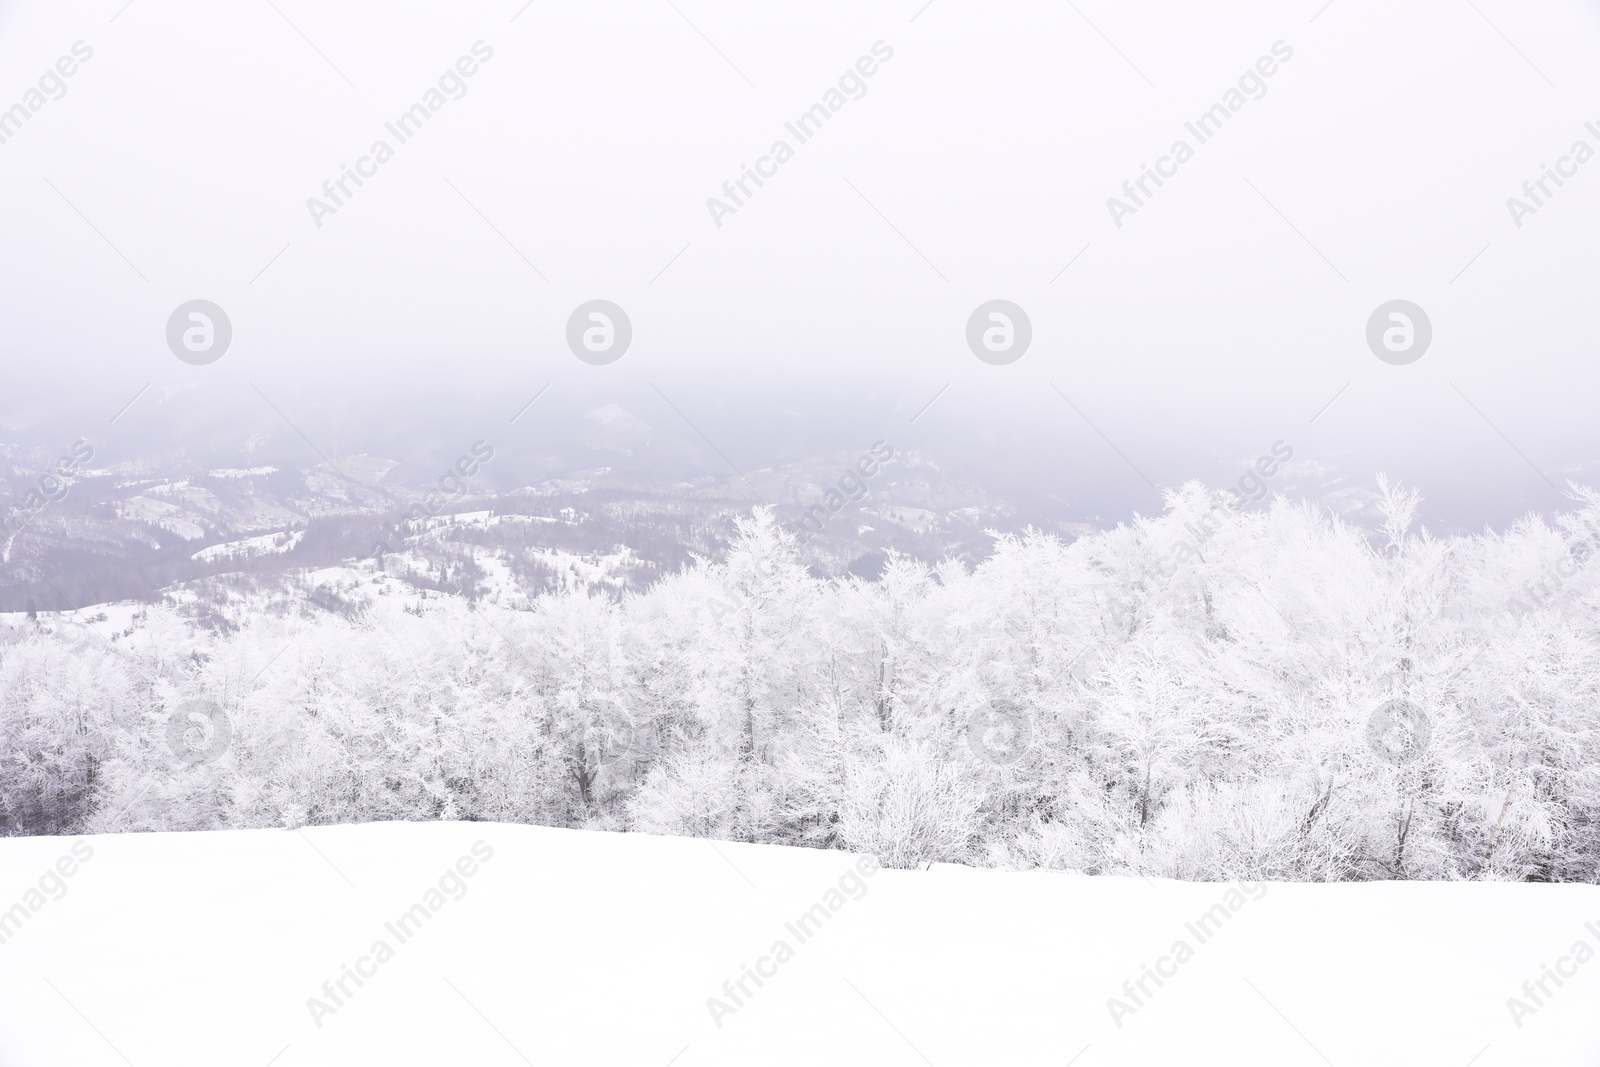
(1199, 694)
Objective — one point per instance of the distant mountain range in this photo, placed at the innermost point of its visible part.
(127, 532)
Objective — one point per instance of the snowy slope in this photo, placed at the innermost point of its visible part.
(566, 947)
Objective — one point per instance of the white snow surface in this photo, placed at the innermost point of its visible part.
(242, 472)
(570, 947)
(271, 544)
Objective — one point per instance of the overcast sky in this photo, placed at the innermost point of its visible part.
(1225, 313)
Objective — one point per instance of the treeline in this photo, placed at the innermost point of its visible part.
(1212, 693)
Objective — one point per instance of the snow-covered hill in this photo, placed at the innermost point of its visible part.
(482, 943)
(124, 533)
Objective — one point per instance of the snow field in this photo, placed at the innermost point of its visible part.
(566, 946)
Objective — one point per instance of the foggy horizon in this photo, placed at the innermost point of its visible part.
(1191, 323)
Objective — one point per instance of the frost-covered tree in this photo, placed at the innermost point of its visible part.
(1217, 691)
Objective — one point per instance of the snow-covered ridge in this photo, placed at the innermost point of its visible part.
(265, 545)
(242, 472)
